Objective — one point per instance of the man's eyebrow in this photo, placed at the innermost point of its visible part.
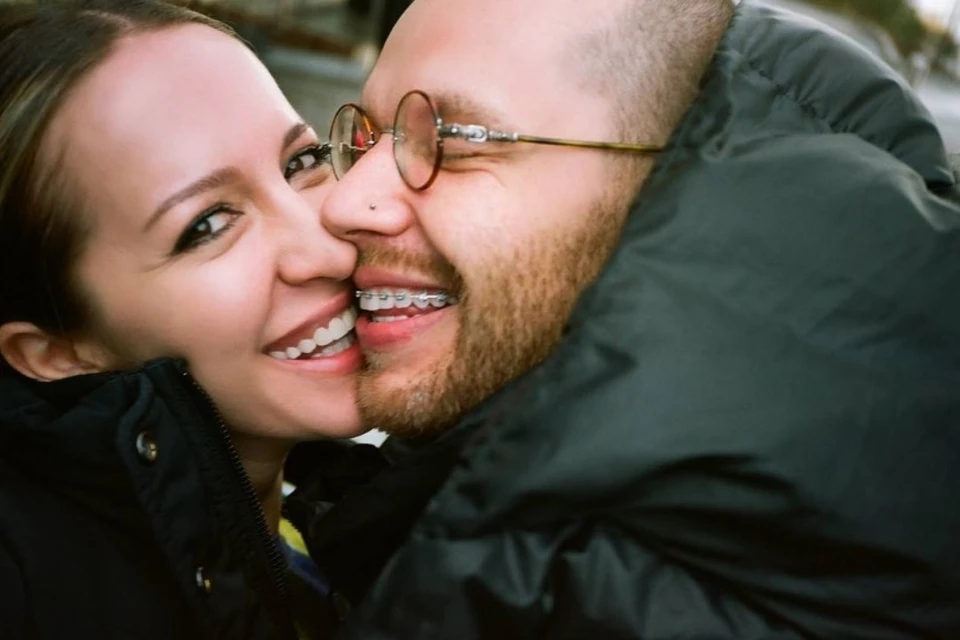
(456, 106)
(215, 180)
(462, 107)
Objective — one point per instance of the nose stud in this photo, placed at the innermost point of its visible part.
(373, 207)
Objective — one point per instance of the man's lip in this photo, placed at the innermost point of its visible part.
(330, 310)
(372, 278)
(386, 336)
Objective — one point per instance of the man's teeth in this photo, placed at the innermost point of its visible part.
(330, 340)
(377, 299)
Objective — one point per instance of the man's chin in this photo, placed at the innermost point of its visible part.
(406, 399)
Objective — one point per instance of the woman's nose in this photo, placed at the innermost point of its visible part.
(306, 250)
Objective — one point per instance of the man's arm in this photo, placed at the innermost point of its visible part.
(605, 584)
(596, 579)
(600, 584)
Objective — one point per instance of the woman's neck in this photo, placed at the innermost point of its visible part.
(263, 461)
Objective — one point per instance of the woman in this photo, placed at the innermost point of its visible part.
(158, 199)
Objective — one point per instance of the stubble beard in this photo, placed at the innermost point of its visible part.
(511, 318)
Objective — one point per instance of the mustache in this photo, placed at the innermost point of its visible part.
(432, 266)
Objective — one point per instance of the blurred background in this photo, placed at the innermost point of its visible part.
(321, 50)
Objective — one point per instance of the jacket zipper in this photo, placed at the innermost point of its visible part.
(276, 562)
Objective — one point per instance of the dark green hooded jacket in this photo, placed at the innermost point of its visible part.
(751, 429)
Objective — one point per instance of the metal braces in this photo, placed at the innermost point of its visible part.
(424, 298)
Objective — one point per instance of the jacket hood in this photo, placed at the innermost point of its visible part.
(781, 54)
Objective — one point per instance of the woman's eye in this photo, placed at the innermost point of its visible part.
(307, 160)
(208, 226)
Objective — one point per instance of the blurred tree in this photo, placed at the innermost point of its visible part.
(907, 29)
(897, 17)
(947, 49)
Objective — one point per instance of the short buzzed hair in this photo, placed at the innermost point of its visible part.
(650, 57)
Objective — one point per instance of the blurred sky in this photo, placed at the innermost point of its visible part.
(935, 8)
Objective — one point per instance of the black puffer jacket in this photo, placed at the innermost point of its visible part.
(124, 513)
(752, 427)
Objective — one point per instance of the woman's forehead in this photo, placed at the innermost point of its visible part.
(185, 76)
(166, 106)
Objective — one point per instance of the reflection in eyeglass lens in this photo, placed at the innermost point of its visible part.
(416, 148)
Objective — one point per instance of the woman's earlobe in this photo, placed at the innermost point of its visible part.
(42, 356)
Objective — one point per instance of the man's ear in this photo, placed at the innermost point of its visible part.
(45, 357)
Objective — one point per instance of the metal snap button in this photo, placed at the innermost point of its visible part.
(203, 582)
(147, 448)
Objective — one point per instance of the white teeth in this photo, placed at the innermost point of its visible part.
(421, 302)
(333, 333)
(338, 328)
(322, 337)
(379, 319)
(403, 299)
(339, 346)
(386, 301)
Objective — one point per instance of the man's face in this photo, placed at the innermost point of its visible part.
(513, 232)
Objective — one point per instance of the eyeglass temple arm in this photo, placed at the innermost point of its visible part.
(478, 133)
(585, 144)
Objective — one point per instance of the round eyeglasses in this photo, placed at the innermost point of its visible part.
(421, 139)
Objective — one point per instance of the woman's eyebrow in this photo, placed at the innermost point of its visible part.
(293, 134)
(211, 181)
(217, 179)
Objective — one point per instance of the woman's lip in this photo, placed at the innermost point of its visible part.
(344, 363)
(331, 310)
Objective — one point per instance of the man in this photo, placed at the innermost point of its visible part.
(729, 409)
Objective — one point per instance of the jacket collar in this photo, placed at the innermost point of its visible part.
(82, 441)
(69, 430)
(359, 506)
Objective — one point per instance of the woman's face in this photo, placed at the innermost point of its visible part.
(203, 187)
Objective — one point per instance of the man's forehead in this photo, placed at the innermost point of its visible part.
(504, 17)
(493, 61)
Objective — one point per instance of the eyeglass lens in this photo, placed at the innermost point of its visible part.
(350, 135)
(416, 145)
